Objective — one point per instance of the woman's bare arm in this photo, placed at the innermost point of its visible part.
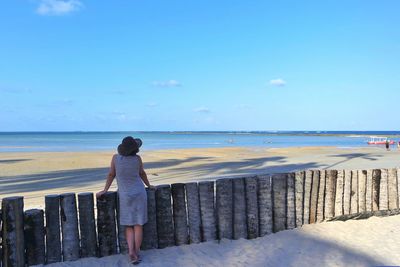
(143, 174)
(110, 178)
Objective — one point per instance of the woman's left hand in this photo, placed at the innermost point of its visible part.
(99, 194)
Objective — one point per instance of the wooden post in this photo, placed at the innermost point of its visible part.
(180, 214)
(165, 223)
(314, 196)
(194, 217)
(376, 181)
(106, 224)
(279, 201)
(224, 203)
(299, 192)
(87, 225)
(69, 227)
(321, 197)
(392, 189)
(368, 192)
(339, 193)
(150, 238)
(347, 192)
(122, 244)
(307, 196)
(252, 207)
(53, 224)
(1, 236)
(208, 220)
(265, 207)
(13, 232)
(354, 192)
(330, 193)
(34, 237)
(291, 205)
(239, 209)
(362, 189)
(383, 191)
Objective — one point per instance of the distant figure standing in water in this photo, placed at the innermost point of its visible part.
(127, 167)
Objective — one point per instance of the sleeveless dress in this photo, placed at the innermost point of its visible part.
(131, 191)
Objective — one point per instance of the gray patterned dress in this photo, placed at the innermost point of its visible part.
(131, 191)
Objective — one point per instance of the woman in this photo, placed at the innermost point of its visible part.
(127, 166)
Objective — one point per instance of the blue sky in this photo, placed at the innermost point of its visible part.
(199, 65)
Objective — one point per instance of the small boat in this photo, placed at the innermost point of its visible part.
(379, 140)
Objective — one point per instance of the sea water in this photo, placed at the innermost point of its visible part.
(92, 141)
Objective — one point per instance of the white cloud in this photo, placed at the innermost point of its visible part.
(277, 82)
(169, 83)
(58, 7)
(152, 104)
(202, 110)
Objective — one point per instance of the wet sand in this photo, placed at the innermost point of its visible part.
(34, 175)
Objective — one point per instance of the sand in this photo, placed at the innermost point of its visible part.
(34, 175)
(371, 242)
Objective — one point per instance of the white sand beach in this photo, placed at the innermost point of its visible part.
(36, 174)
(370, 242)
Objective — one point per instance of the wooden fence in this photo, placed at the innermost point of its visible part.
(188, 213)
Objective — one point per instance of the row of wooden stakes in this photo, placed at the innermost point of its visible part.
(188, 213)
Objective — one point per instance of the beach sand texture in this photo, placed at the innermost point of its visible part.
(34, 175)
(371, 242)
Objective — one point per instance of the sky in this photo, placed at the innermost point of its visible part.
(89, 65)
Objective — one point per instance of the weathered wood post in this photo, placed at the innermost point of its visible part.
(69, 227)
(53, 224)
(368, 191)
(224, 203)
(252, 207)
(376, 181)
(291, 206)
(314, 196)
(34, 237)
(392, 189)
(207, 210)
(279, 201)
(239, 209)
(299, 193)
(106, 224)
(339, 208)
(265, 207)
(194, 217)
(330, 193)
(307, 196)
(150, 239)
(347, 192)
(87, 225)
(321, 197)
(180, 214)
(13, 232)
(1, 236)
(362, 190)
(383, 191)
(165, 228)
(354, 192)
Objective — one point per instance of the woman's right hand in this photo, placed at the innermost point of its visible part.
(99, 194)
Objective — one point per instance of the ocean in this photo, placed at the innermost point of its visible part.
(92, 141)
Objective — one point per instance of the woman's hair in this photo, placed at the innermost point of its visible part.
(134, 152)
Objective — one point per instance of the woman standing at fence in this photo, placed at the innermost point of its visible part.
(127, 167)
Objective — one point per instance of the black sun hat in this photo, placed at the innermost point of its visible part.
(129, 145)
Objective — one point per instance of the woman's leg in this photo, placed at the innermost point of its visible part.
(130, 239)
(138, 229)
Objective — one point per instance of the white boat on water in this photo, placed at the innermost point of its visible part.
(379, 140)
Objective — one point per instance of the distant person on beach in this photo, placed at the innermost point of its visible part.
(387, 145)
(127, 167)
(398, 145)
